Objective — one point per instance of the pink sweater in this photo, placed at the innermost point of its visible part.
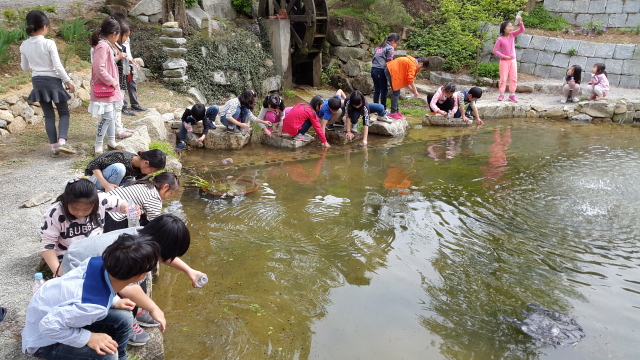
(439, 96)
(507, 44)
(104, 71)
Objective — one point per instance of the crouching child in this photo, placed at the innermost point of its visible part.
(78, 315)
(190, 117)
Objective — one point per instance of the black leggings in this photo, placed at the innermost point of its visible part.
(50, 120)
(444, 106)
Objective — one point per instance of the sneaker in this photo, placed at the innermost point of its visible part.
(138, 108)
(575, 100)
(401, 116)
(144, 319)
(55, 153)
(396, 116)
(299, 137)
(330, 127)
(137, 336)
(339, 124)
(386, 119)
(66, 149)
(513, 98)
(233, 129)
(564, 101)
(123, 135)
(212, 125)
(501, 97)
(354, 128)
(308, 137)
(128, 112)
(181, 146)
(592, 97)
(387, 112)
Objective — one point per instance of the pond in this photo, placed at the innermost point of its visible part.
(414, 248)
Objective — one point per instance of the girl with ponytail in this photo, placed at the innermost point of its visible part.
(381, 56)
(40, 56)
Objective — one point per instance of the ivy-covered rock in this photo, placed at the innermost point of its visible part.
(341, 82)
(271, 84)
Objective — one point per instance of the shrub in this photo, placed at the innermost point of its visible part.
(489, 70)
(8, 37)
(74, 30)
(572, 51)
(190, 3)
(327, 73)
(242, 6)
(540, 18)
(163, 146)
(10, 15)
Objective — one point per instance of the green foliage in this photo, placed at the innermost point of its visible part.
(8, 37)
(572, 51)
(327, 73)
(377, 18)
(163, 146)
(367, 68)
(10, 15)
(147, 46)
(288, 93)
(190, 3)
(489, 70)
(242, 6)
(540, 18)
(74, 30)
(105, 10)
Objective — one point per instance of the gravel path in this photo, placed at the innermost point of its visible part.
(19, 236)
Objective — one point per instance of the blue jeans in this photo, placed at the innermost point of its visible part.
(209, 119)
(240, 115)
(373, 109)
(113, 174)
(395, 95)
(380, 85)
(305, 127)
(117, 324)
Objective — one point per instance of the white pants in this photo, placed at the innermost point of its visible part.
(597, 90)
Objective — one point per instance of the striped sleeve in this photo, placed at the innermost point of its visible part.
(147, 198)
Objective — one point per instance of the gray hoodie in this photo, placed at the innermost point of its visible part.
(381, 56)
(92, 246)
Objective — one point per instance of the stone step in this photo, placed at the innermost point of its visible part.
(438, 120)
(396, 129)
(283, 141)
(221, 139)
(339, 137)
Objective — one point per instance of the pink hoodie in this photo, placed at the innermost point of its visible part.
(104, 71)
(507, 44)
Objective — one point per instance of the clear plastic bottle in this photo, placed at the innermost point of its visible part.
(518, 17)
(201, 281)
(450, 113)
(132, 214)
(38, 282)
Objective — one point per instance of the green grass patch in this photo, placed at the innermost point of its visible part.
(489, 70)
(16, 80)
(82, 164)
(163, 146)
(540, 18)
(288, 94)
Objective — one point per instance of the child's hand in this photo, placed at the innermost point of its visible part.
(480, 122)
(364, 142)
(267, 132)
(71, 87)
(506, 58)
(110, 187)
(158, 316)
(442, 112)
(193, 275)
(138, 212)
(188, 126)
(124, 304)
(466, 119)
(350, 135)
(115, 84)
(102, 343)
(201, 138)
(245, 126)
(325, 145)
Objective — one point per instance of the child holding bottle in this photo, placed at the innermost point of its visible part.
(505, 49)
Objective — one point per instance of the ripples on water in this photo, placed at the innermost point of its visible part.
(418, 250)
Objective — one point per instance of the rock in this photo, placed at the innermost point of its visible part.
(339, 137)
(167, 117)
(3, 124)
(220, 78)
(435, 63)
(581, 117)
(83, 94)
(198, 95)
(284, 141)
(219, 8)
(626, 118)
(340, 37)
(37, 199)
(147, 7)
(599, 109)
(484, 81)
(175, 52)
(396, 129)
(155, 125)
(352, 68)
(227, 161)
(117, 8)
(74, 103)
(364, 83)
(4, 133)
(633, 105)
(17, 124)
(524, 89)
(175, 73)
(176, 80)
(177, 114)
(86, 84)
(440, 78)
(170, 32)
(220, 139)
(437, 120)
(124, 3)
(347, 53)
(12, 100)
(555, 112)
(341, 82)
(538, 108)
(171, 24)
(532, 114)
(154, 349)
(465, 80)
(195, 15)
(139, 141)
(271, 84)
(35, 120)
(4, 107)
(27, 113)
(173, 165)
(620, 109)
(17, 109)
(172, 42)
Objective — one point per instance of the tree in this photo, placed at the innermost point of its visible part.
(177, 8)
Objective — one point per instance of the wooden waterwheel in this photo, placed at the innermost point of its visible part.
(309, 21)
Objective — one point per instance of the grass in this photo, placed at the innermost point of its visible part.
(15, 81)
(410, 107)
(288, 94)
(82, 164)
(163, 146)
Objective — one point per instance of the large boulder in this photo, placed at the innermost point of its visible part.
(347, 53)
(435, 63)
(155, 125)
(221, 139)
(339, 137)
(173, 165)
(341, 82)
(437, 120)
(139, 141)
(364, 83)
(440, 78)
(219, 8)
(396, 129)
(271, 84)
(195, 15)
(352, 68)
(197, 95)
(284, 141)
(597, 109)
(340, 37)
(147, 7)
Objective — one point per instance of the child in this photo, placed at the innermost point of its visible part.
(599, 84)
(79, 315)
(301, 117)
(40, 56)
(77, 214)
(191, 117)
(272, 112)
(443, 102)
(505, 49)
(104, 75)
(123, 71)
(173, 237)
(132, 87)
(569, 88)
(381, 56)
(148, 193)
(401, 72)
(332, 110)
(236, 111)
(112, 169)
(356, 103)
(468, 98)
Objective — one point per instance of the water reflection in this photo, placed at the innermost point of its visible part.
(497, 163)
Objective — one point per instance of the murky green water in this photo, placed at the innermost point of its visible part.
(415, 249)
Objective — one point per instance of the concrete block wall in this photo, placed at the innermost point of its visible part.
(548, 57)
(611, 13)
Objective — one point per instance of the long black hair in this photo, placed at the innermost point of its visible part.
(577, 74)
(392, 37)
(247, 99)
(156, 158)
(171, 234)
(273, 101)
(80, 191)
(36, 20)
(109, 26)
(504, 26)
(356, 98)
(157, 181)
(315, 102)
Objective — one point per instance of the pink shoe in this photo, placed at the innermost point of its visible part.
(402, 117)
(396, 116)
(513, 98)
(501, 97)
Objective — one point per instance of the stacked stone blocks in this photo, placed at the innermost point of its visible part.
(175, 68)
(611, 13)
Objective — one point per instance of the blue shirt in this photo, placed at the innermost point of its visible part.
(60, 309)
(325, 113)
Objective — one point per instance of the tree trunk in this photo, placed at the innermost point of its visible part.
(177, 8)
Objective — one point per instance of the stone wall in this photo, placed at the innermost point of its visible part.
(611, 13)
(548, 57)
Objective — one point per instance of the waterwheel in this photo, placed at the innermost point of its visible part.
(309, 21)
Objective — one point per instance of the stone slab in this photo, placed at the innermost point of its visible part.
(614, 66)
(631, 6)
(589, 65)
(551, 5)
(174, 73)
(339, 137)
(519, 53)
(630, 67)
(538, 42)
(175, 52)
(614, 6)
(601, 18)
(557, 72)
(221, 139)
(633, 20)
(569, 17)
(623, 51)
(530, 55)
(522, 40)
(542, 71)
(561, 60)
(587, 48)
(614, 79)
(583, 19)
(617, 20)
(444, 121)
(37, 199)
(176, 80)
(545, 58)
(630, 81)
(578, 60)
(526, 68)
(284, 141)
(597, 7)
(565, 6)
(174, 63)
(170, 32)
(172, 42)
(568, 45)
(554, 44)
(397, 128)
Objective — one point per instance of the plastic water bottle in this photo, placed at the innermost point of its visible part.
(518, 16)
(201, 281)
(132, 214)
(38, 282)
(450, 113)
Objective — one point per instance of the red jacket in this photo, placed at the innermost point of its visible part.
(300, 113)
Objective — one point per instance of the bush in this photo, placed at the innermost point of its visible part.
(190, 3)
(242, 6)
(540, 18)
(74, 30)
(8, 37)
(489, 70)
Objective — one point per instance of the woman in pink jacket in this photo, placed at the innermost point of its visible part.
(105, 93)
(505, 49)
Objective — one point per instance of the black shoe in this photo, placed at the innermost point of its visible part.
(339, 124)
(212, 125)
(234, 130)
(330, 127)
(128, 112)
(138, 108)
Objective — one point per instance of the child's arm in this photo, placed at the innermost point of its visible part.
(388, 55)
(138, 296)
(64, 324)
(475, 113)
(51, 259)
(24, 62)
(434, 102)
(57, 65)
(496, 49)
(49, 234)
(178, 264)
(341, 94)
(520, 29)
(105, 184)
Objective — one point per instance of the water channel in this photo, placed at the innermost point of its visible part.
(414, 248)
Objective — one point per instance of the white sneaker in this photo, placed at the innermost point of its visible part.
(386, 119)
(354, 128)
(564, 101)
(575, 100)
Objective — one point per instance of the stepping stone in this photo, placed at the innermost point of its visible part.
(339, 137)
(437, 120)
(220, 139)
(396, 129)
(284, 141)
